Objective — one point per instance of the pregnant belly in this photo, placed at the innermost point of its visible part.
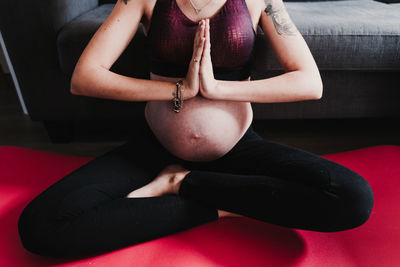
(203, 130)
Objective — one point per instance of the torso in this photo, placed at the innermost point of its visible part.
(204, 129)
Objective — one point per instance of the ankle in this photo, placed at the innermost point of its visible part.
(149, 190)
(223, 213)
(177, 180)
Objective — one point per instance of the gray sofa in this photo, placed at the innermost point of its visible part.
(356, 44)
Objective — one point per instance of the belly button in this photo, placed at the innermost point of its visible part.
(195, 136)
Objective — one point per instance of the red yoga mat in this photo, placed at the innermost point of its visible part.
(239, 241)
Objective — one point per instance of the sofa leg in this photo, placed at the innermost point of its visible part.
(59, 131)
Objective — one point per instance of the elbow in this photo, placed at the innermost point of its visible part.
(74, 87)
(73, 90)
(318, 91)
(80, 78)
(84, 77)
(314, 86)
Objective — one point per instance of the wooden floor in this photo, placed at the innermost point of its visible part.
(95, 138)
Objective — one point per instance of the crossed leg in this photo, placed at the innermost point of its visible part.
(282, 185)
(86, 212)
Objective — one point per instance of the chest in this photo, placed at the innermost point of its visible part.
(232, 36)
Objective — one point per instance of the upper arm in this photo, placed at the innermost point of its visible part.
(286, 41)
(113, 36)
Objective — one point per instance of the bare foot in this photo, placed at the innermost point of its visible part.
(166, 182)
(222, 213)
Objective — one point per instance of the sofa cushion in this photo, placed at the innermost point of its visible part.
(342, 35)
(24, 173)
(107, 2)
(74, 37)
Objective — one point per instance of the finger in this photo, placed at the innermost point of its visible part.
(201, 36)
(197, 39)
(208, 39)
(199, 31)
(199, 44)
(207, 44)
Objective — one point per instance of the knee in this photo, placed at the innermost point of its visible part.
(353, 203)
(27, 231)
(359, 204)
(34, 233)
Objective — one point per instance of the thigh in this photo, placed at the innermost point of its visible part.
(258, 156)
(86, 211)
(107, 177)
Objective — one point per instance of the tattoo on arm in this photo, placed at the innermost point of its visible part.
(282, 22)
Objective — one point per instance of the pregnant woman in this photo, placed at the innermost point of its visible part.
(197, 157)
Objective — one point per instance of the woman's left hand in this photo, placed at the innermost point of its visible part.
(208, 84)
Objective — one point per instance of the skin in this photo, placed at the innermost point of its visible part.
(207, 127)
(212, 107)
(282, 22)
(204, 129)
(169, 180)
(195, 143)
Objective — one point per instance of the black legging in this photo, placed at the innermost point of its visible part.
(86, 211)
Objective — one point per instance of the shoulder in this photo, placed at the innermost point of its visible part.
(132, 2)
(135, 4)
(256, 3)
(256, 7)
(148, 5)
(148, 8)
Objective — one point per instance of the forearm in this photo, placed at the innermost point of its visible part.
(288, 87)
(101, 83)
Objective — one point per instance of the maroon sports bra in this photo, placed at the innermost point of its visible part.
(232, 36)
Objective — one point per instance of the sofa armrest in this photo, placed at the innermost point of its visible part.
(49, 14)
(30, 30)
(60, 12)
(389, 1)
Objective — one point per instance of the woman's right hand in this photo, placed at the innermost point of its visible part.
(191, 83)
